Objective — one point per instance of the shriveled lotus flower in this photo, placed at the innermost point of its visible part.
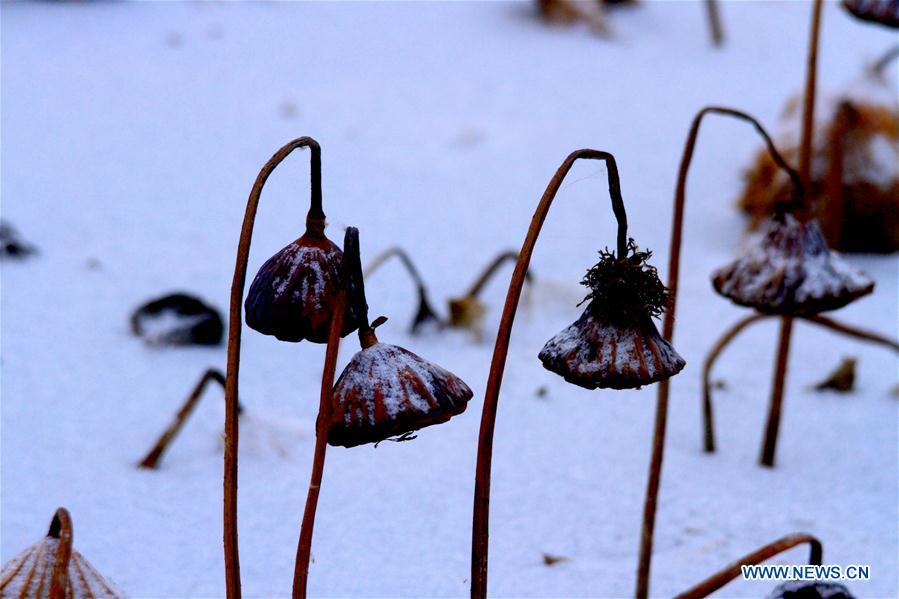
(386, 390)
(615, 344)
(810, 590)
(51, 569)
(291, 295)
(791, 271)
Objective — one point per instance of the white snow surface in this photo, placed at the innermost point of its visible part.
(132, 134)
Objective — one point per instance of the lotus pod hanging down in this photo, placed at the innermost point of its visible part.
(810, 590)
(885, 12)
(791, 271)
(51, 569)
(614, 344)
(291, 296)
(386, 390)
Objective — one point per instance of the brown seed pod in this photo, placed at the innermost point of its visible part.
(593, 353)
(386, 391)
(885, 12)
(51, 569)
(291, 295)
(791, 271)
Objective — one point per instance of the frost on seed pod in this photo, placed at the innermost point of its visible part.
(791, 271)
(51, 569)
(811, 590)
(387, 391)
(292, 293)
(885, 12)
(615, 344)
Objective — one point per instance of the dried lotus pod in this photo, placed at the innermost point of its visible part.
(51, 569)
(885, 12)
(595, 354)
(387, 391)
(791, 271)
(614, 344)
(810, 590)
(291, 295)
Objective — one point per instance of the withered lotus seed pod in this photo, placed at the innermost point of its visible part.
(386, 390)
(51, 569)
(791, 271)
(293, 293)
(593, 353)
(885, 12)
(810, 590)
(615, 344)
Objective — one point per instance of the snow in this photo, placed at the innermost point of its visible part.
(132, 134)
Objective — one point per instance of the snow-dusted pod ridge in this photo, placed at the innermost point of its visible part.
(791, 271)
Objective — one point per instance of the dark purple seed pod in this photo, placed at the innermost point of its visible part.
(387, 391)
(292, 294)
(884, 12)
(810, 590)
(791, 271)
(593, 353)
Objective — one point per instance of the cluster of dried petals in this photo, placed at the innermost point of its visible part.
(791, 271)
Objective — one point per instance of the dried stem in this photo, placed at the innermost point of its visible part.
(769, 443)
(721, 578)
(480, 530)
(315, 221)
(304, 545)
(60, 528)
(661, 419)
(731, 333)
(775, 407)
(490, 270)
(151, 460)
(711, 7)
(425, 312)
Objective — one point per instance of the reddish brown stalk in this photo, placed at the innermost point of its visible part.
(772, 424)
(731, 333)
(729, 573)
(151, 460)
(769, 443)
(480, 530)
(315, 217)
(661, 419)
(61, 528)
(304, 545)
(711, 8)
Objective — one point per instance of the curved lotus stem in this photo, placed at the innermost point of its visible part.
(304, 545)
(731, 333)
(151, 460)
(479, 539)
(315, 221)
(61, 528)
(711, 7)
(878, 67)
(721, 578)
(490, 270)
(425, 312)
(769, 444)
(677, 223)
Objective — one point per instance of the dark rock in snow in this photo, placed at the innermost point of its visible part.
(178, 319)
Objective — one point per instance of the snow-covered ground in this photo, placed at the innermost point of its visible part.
(131, 134)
